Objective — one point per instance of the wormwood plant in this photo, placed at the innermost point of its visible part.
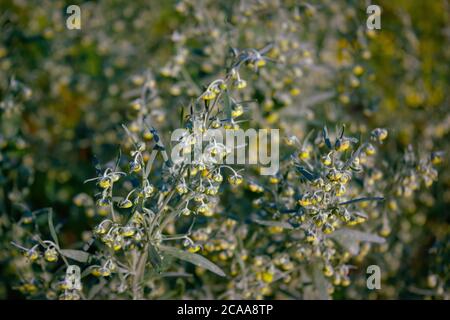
(303, 230)
(129, 245)
(325, 186)
(359, 151)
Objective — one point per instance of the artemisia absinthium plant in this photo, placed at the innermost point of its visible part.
(235, 25)
(312, 222)
(129, 246)
(308, 209)
(318, 48)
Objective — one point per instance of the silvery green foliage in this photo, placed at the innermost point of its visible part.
(358, 181)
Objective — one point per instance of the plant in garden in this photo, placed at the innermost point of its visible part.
(130, 239)
(366, 192)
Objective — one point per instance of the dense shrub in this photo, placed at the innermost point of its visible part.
(363, 178)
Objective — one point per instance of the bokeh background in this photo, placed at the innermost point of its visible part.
(65, 93)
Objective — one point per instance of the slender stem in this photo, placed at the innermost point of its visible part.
(139, 273)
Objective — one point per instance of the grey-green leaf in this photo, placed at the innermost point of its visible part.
(77, 255)
(227, 104)
(364, 199)
(193, 258)
(326, 137)
(320, 282)
(308, 175)
(155, 259)
(350, 239)
(284, 225)
(360, 235)
(52, 227)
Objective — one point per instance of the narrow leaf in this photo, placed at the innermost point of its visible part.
(193, 258)
(155, 259)
(341, 134)
(320, 283)
(350, 239)
(129, 134)
(326, 137)
(182, 115)
(77, 255)
(359, 235)
(307, 137)
(227, 104)
(308, 175)
(365, 199)
(175, 275)
(284, 225)
(354, 155)
(52, 227)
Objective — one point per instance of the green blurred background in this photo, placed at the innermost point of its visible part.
(70, 96)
